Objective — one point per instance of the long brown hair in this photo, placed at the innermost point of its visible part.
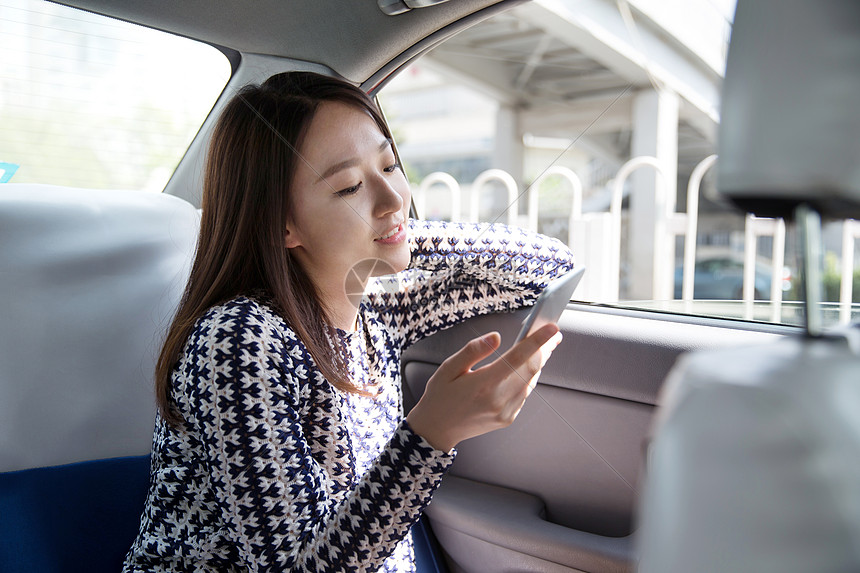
(249, 171)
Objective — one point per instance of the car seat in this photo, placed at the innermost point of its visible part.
(88, 281)
(755, 458)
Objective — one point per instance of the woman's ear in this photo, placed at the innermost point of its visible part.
(291, 238)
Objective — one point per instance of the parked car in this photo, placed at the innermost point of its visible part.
(722, 278)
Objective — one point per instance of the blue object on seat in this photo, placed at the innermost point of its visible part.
(73, 518)
(428, 557)
(7, 170)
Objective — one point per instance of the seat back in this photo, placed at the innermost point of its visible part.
(89, 280)
(755, 460)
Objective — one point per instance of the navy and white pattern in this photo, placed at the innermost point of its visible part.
(273, 469)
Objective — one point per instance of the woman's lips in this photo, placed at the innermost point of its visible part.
(394, 236)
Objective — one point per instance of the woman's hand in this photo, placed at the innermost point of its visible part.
(460, 402)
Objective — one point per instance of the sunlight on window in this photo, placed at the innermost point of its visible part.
(88, 101)
(596, 123)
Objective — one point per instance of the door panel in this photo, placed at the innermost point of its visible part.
(558, 487)
(559, 443)
(490, 529)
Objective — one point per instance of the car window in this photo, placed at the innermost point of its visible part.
(88, 101)
(596, 123)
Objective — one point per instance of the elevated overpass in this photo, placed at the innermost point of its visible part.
(619, 79)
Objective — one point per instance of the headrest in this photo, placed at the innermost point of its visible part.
(790, 126)
(89, 280)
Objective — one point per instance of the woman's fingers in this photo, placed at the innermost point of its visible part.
(517, 371)
(545, 353)
(460, 402)
(447, 411)
(475, 350)
(548, 347)
(531, 352)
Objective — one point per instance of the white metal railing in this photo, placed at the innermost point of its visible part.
(663, 255)
(692, 228)
(575, 203)
(755, 227)
(510, 184)
(590, 232)
(850, 232)
(439, 178)
(597, 236)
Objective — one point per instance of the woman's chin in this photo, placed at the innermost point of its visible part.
(396, 260)
(401, 262)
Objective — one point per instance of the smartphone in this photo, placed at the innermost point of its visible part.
(551, 302)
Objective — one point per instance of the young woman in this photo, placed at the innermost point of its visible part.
(280, 443)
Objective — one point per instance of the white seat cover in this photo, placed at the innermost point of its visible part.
(89, 279)
(755, 462)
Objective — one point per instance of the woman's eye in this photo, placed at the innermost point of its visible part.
(348, 190)
(392, 168)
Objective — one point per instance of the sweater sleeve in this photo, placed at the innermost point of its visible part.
(461, 270)
(240, 389)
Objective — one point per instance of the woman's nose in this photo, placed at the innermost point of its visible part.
(390, 194)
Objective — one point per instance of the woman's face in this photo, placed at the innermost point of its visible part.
(350, 199)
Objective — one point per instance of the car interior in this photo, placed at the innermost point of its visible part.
(649, 441)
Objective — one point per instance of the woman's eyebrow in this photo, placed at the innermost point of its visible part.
(351, 162)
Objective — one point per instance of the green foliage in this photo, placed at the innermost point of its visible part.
(831, 282)
(72, 147)
(555, 196)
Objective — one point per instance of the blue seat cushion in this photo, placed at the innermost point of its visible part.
(428, 556)
(84, 517)
(78, 517)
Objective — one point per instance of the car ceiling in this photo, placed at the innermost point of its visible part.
(367, 41)
(355, 38)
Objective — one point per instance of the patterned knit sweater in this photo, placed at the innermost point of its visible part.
(274, 469)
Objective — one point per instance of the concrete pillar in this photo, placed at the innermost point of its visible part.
(655, 133)
(508, 147)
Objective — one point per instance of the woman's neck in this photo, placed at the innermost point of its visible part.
(341, 311)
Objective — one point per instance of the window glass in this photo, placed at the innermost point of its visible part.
(584, 121)
(88, 101)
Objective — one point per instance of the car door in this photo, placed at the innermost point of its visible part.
(557, 490)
